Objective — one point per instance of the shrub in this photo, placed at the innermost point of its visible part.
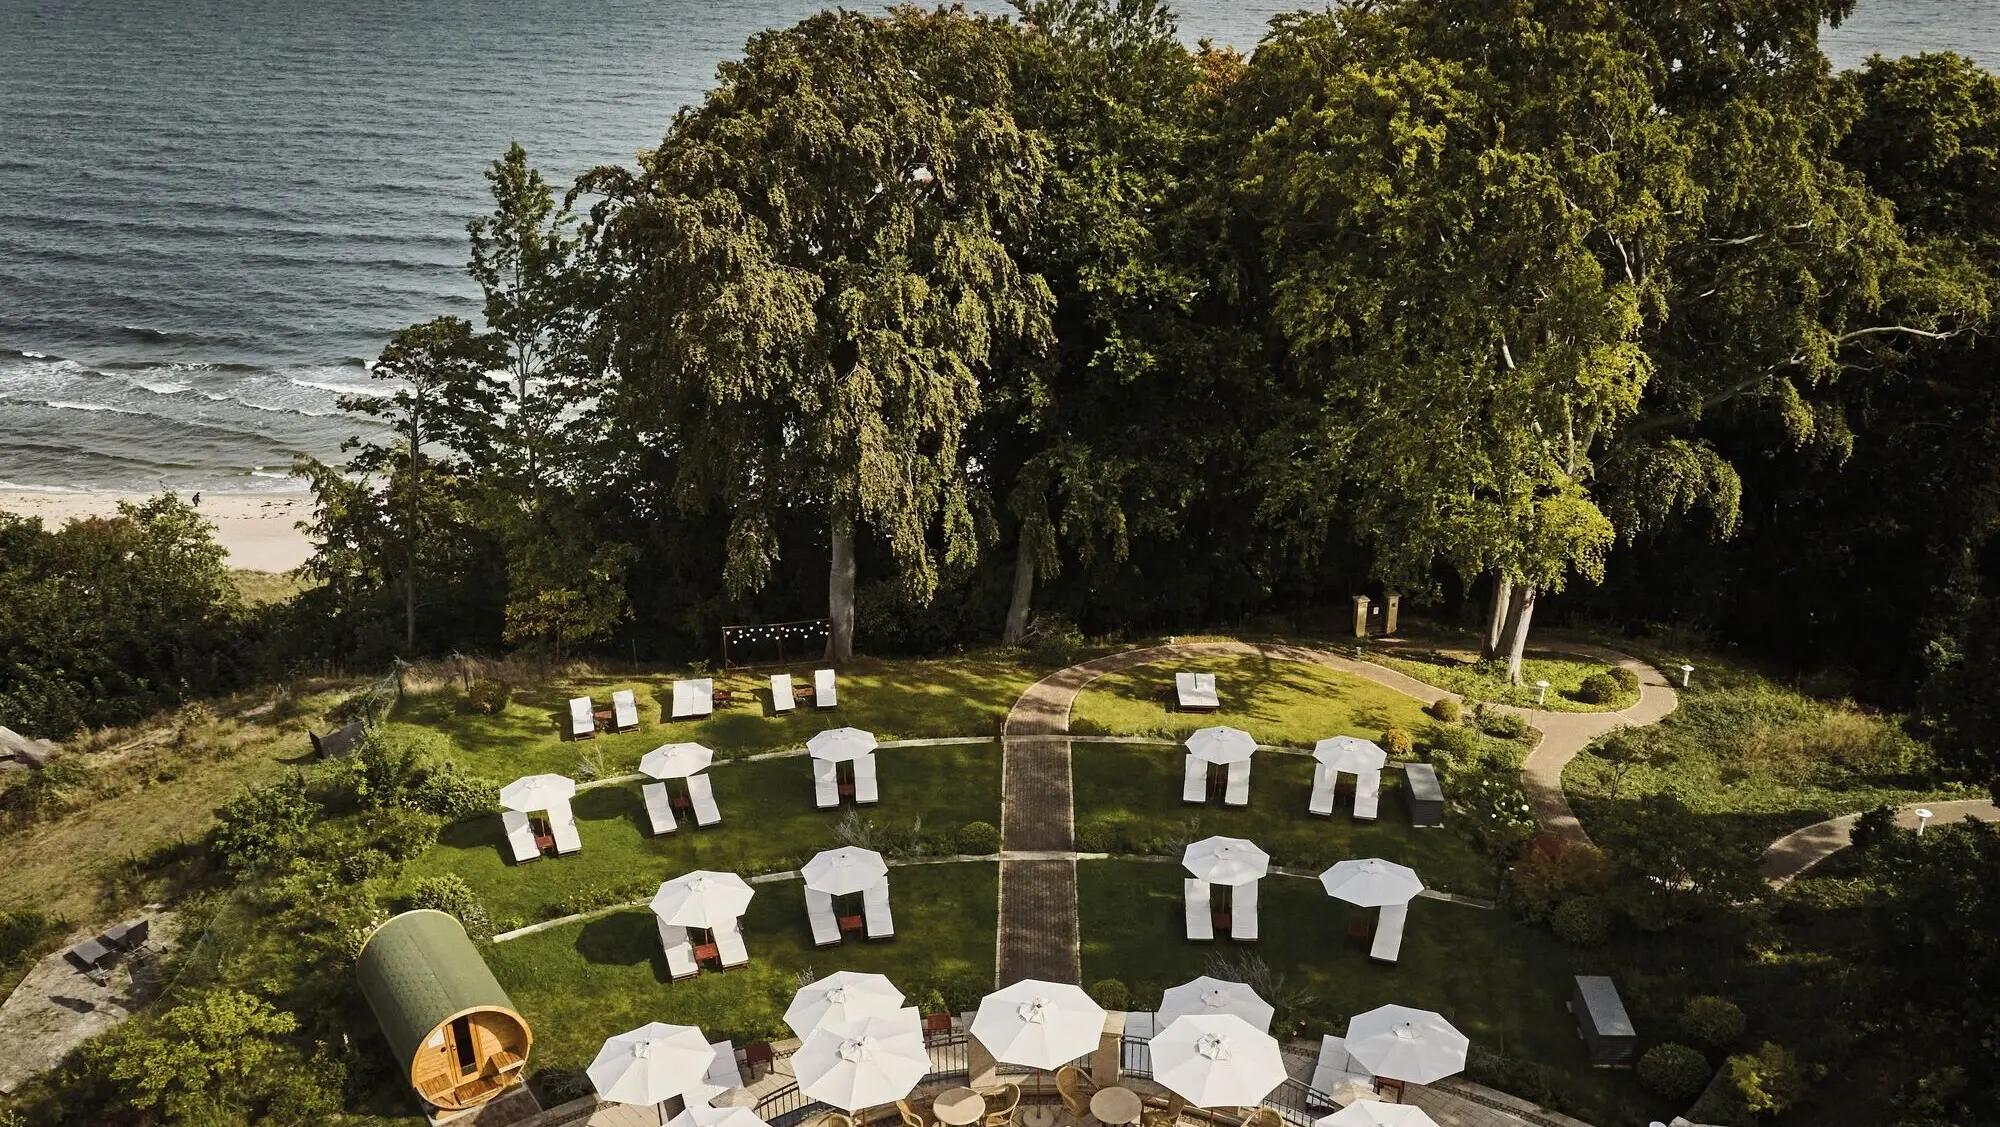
(1397, 742)
(20, 931)
(1598, 688)
(489, 696)
(1459, 746)
(1097, 837)
(979, 839)
(1111, 994)
(1555, 871)
(1628, 681)
(446, 892)
(1673, 1072)
(1444, 710)
(452, 793)
(1504, 725)
(1712, 1021)
(1053, 641)
(1582, 921)
(1873, 828)
(1767, 1081)
(264, 824)
(403, 834)
(964, 992)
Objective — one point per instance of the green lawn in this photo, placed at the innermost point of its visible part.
(579, 984)
(1279, 702)
(1461, 672)
(904, 699)
(768, 824)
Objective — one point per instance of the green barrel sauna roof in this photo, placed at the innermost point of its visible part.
(419, 970)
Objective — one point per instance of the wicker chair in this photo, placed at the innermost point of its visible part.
(910, 1116)
(1166, 1115)
(1000, 1105)
(1070, 1084)
(1264, 1117)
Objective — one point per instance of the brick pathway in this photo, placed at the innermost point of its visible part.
(1794, 853)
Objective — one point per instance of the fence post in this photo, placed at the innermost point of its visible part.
(1109, 1060)
(981, 1070)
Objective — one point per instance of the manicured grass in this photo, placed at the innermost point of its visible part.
(768, 824)
(960, 696)
(581, 983)
(1279, 702)
(1460, 671)
(1139, 788)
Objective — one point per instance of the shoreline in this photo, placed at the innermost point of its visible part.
(256, 529)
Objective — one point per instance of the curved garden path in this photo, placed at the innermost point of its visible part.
(1564, 734)
(1794, 853)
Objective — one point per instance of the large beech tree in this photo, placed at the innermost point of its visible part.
(808, 283)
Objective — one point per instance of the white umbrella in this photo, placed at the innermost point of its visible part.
(530, 793)
(1207, 995)
(1217, 1061)
(839, 744)
(1414, 1046)
(849, 869)
(842, 996)
(651, 1064)
(676, 761)
(703, 899)
(1039, 1024)
(864, 1062)
(1351, 754)
(1372, 882)
(1373, 1113)
(1226, 860)
(1222, 745)
(702, 1115)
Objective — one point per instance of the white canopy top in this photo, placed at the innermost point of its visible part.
(1207, 995)
(1218, 1060)
(1374, 1113)
(703, 899)
(702, 1115)
(1372, 882)
(676, 761)
(1415, 1046)
(651, 1064)
(842, 996)
(1226, 860)
(839, 744)
(1039, 1024)
(864, 1062)
(848, 869)
(530, 793)
(1351, 754)
(1221, 745)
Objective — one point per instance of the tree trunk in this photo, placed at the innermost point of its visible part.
(1024, 592)
(1520, 610)
(1496, 615)
(840, 588)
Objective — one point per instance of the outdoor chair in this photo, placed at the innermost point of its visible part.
(867, 792)
(729, 947)
(1237, 793)
(701, 793)
(819, 911)
(694, 699)
(909, 1115)
(1195, 692)
(1164, 1115)
(679, 950)
(1000, 1105)
(562, 826)
(1194, 781)
(1200, 924)
(1389, 932)
(823, 689)
(834, 1119)
(625, 711)
(1335, 1068)
(582, 721)
(782, 700)
(1325, 781)
(875, 907)
(659, 809)
(1070, 1083)
(1367, 795)
(1264, 1117)
(723, 1075)
(826, 783)
(1243, 913)
(520, 837)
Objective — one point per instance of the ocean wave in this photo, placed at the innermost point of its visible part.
(177, 366)
(24, 354)
(61, 405)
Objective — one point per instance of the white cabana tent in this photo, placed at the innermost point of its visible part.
(1212, 996)
(1375, 1113)
(1218, 1060)
(845, 871)
(1038, 1024)
(861, 1063)
(1411, 1045)
(530, 793)
(1221, 745)
(840, 997)
(651, 1064)
(703, 899)
(1371, 882)
(676, 761)
(838, 744)
(1226, 860)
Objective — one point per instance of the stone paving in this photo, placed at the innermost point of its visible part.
(1794, 853)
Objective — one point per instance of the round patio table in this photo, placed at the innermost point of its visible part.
(1115, 1105)
(958, 1107)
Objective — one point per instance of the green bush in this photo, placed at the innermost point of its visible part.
(20, 931)
(1582, 921)
(1628, 681)
(1444, 710)
(1504, 725)
(264, 824)
(1397, 743)
(1053, 641)
(403, 833)
(1873, 828)
(1598, 688)
(488, 696)
(979, 839)
(1673, 1072)
(452, 793)
(446, 892)
(1767, 1081)
(1097, 837)
(1111, 994)
(1459, 745)
(1713, 1021)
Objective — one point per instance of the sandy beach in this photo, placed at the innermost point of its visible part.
(255, 528)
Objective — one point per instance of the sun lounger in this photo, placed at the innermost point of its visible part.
(1136, 1056)
(582, 721)
(819, 910)
(866, 791)
(701, 792)
(659, 809)
(1335, 1068)
(826, 783)
(694, 699)
(1194, 781)
(729, 948)
(875, 906)
(1195, 692)
(680, 951)
(1389, 932)
(1367, 795)
(1243, 913)
(1200, 924)
(781, 693)
(520, 837)
(1237, 793)
(624, 711)
(562, 826)
(1324, 781)
(824, 696)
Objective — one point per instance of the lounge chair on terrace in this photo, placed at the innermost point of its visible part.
(659, 809)
(1367, 795)
(1237, 793)
(819, 910)
(1200, 924)
(866, 790)
(694, 699)
(680, 950)
(624, 711)
(824, 695)
(1243, 913)
(520, 837)
(875, 907)
(1195, 692)
(1334, 1069)
(826, 783)
(1194, 781)
(701, 793)
(729, 948)
(723, 1076)
(1389, 932)
(582, 721)
(782, 699)
(1325, 781)
(562, 826)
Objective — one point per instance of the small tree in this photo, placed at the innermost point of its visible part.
(1768, 1081)
(198, 1056)
(264, 824)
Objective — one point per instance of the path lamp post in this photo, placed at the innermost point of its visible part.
(1541, 692)
(1924, 817)
(1687, 671)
